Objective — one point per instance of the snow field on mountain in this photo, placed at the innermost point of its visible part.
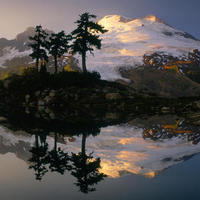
(128, 40)
(9, 53)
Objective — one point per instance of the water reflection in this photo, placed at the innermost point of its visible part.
(147, 146)
(144, 145)
(38, 158)
(58, 159)
(81, 165)
(175, 128)
(86, 169)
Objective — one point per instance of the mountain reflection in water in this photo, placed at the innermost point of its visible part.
(90, 151)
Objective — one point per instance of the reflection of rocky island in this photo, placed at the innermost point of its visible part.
(146, 145)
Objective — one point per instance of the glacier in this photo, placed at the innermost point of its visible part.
(128, 40)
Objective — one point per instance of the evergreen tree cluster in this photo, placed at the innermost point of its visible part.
(82, 39)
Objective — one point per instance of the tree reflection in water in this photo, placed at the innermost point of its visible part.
(86, 169)
(38, 159)
(58, 159)
(83, 166)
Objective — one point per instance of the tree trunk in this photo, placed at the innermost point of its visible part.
(84, 50)
(55, 142)
(84, 62)
(56, 64)
(36, 141)
(36, 65)
(84, 136)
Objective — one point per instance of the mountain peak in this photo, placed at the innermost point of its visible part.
(116, 18)
(153, 18)
(30, 31)
(112, 19)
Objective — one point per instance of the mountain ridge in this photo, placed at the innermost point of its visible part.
(21, 41)
(129, 43)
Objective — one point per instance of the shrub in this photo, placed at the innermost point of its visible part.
(29, 71)
(32, 81)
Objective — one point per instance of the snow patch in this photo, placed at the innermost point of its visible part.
(9, 53)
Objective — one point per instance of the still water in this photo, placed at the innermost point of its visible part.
(149, 157)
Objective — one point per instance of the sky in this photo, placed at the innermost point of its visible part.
(58, 15)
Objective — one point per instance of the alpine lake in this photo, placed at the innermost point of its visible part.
(103, 156)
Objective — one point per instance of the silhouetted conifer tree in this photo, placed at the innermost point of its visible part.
(58, 45)
(38, 45)
(85, 37)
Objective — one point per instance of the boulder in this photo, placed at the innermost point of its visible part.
(41, 103)
(197, 104)
(113, 96)
(52, 93)
(6, 83)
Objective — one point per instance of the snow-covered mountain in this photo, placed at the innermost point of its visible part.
(128, 40)
(142, 53)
